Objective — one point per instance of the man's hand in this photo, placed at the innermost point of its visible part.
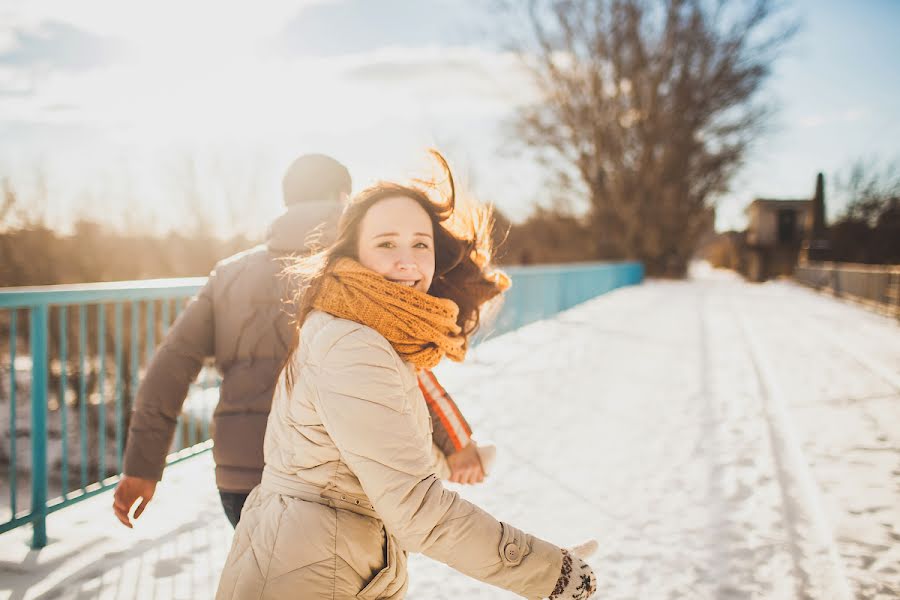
(465, 465)
(129, 490)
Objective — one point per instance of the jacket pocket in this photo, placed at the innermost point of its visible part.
(391, 579)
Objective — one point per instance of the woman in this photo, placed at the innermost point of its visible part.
(350, 484)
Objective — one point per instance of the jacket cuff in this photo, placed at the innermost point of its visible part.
(539, 562)
(136, 462)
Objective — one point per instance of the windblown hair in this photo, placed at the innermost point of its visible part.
(462, 248)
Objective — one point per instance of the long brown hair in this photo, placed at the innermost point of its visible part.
(462, 248)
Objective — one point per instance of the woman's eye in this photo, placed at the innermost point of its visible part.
(421, 245)
(386, 245)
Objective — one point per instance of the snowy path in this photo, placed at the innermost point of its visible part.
(674, 422)
(719, 439)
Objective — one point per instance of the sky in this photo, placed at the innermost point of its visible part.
(147, 115)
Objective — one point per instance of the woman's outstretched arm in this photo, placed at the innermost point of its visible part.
(368, 412)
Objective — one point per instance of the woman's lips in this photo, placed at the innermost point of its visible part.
(406, 282)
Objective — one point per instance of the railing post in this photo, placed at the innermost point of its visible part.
(39, 372)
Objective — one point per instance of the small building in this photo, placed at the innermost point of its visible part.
(775, 234)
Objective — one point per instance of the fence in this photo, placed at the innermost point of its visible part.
(87, 345)
(542, 291)
(81, 350)
(876, 286)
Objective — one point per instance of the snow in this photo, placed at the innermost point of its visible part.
(719, 439)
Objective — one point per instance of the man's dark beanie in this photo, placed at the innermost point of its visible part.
(315, 177)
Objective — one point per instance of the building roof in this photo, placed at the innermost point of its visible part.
(776, 203)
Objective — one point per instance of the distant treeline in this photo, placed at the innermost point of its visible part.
(93, 252)
(37, 255)
(868, 233)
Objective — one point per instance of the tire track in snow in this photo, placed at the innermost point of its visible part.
(794, 475)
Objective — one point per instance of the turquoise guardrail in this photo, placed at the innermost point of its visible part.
(81, 349)
(539, 292)
(87, 345)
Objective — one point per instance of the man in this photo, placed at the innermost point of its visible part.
(239, 317)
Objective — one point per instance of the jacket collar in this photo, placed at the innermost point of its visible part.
(290, 232)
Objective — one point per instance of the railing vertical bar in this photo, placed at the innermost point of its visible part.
(151, 329)
(178, 427)
(101, 391)
(13, 436)
(63, 388)
(165, 316)
(199, 392)
(189, 423)
(39, 376)
(135, 359)
(119, 318)
(207, 417)
(82, 392)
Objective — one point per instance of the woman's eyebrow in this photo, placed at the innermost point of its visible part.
(394, 233)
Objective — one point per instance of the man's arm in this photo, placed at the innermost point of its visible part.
(164, 387)
(160, 398)
(451, 431)
(452, 434)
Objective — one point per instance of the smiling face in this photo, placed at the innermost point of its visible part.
(396, 240)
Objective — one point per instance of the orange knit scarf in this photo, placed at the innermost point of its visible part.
(421, 328)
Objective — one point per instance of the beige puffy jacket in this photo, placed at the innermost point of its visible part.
(239, 318)
(350, 485)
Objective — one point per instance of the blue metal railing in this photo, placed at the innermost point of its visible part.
(101, 377)
(99, 380)
(542, 291)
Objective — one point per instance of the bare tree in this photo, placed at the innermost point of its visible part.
(648, 108)
(221, 194)
(8, 201)
(187, 183)
(868, 229)
(872, 189)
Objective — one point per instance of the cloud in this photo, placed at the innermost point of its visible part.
(14, 83)
(851, 115)
(447, 76)
(147, 21)
(58, 45)
(261, 99)
(405, 71)
(355, 26)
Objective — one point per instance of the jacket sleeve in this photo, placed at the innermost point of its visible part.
(451, 430)
(164, 387)
(368, 414)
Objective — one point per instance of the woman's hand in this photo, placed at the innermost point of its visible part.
(576, 580)
(465, 465)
